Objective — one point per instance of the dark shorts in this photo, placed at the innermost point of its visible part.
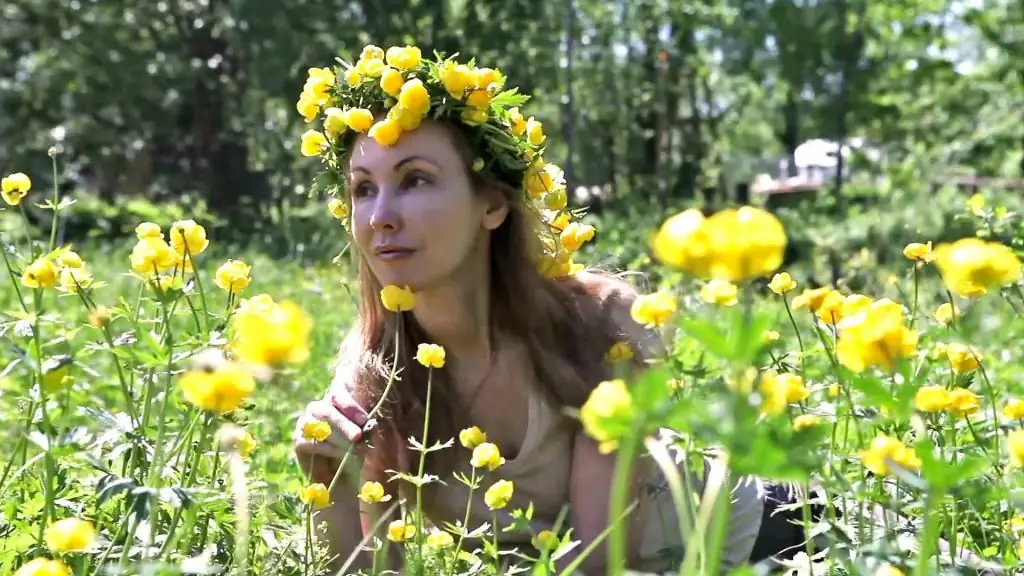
(781, 535)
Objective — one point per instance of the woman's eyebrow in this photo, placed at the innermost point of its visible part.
(398, 165)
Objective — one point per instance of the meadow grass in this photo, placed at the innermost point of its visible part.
(98, 428)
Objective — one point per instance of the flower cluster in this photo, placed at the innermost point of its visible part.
(388, 93)
(734, 244)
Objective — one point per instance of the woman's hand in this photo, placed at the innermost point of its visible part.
(320, 460)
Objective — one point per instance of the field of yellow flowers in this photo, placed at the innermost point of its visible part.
(149, 396)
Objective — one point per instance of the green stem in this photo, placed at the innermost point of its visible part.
(465, 519)
(56, 203)
(419, 473)
(799, 338)
(930, 536)
(622, 482)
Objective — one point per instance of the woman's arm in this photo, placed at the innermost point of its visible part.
(590, 486)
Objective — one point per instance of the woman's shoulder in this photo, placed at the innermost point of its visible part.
(615, 296)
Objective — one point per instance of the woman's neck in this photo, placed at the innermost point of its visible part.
(457, 318)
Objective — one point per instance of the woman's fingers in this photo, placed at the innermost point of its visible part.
(326, 411)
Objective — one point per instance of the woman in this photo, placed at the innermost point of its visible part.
(437, 206)
(442, 181)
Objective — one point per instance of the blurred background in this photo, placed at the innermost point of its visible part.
(865, 124)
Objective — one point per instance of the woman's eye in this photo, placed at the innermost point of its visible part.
(416, 180)
(362, 189)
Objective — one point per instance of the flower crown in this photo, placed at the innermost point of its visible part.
(386, 94)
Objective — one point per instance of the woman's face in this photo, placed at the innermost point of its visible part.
(415, 215)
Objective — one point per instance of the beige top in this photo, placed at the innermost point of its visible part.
(541, 473)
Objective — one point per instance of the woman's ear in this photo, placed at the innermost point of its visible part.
(496, 209)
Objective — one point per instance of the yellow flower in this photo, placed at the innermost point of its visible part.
(545, 540)
(14, 187)
(875, 337)
(782, 283)
(220, 390)
(315, 495)
(371, 51)
(430, 355)
(373, 493)
(919, 252)
(307, 107)
(391, 81)
(334, 122)
(486, 455)
(609, 399)
(456, 78)
(557, 200)
(56, 376)
(42, 273)
(963, 402)
(619, 352)
(946, 312)
(338, 208)
(543, 177)
(741, 243)
(353, 77)
(830, 310)
(148, 230)
(165, 283)
(498, 495)
(414, 96)
(313, 143)
(721, 292)
(71, 279)
(886, 450)
(44, 567)
(316, 431)
(371, 68)
(534, 132)
(770, 336)
(247, 445)
(397, 299)
(971, 266)
(889, 570)
(478, 99)
(653, 309)
(472, 437)
(408, 120)
(1014, 409)
(385, 132)
(516, 121)
(318, 84)
(1015, 444)
(811, 298)
(70, 259)
(575, 235)
(399, 531)
(440, 540)
(805, 421)
(274, 336)
(834, 390)
(962, 358)
(675, 242)
(932, 399)
(233, 276)
(70, 535)
(976, 203)
(358, 119)
(781, 390)
(99, 317)
(404, 58)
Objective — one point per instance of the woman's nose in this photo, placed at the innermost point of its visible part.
(385, 215)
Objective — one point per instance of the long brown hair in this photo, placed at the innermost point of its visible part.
(565, 324)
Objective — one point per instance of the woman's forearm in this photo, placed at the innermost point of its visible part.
(338, 528)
